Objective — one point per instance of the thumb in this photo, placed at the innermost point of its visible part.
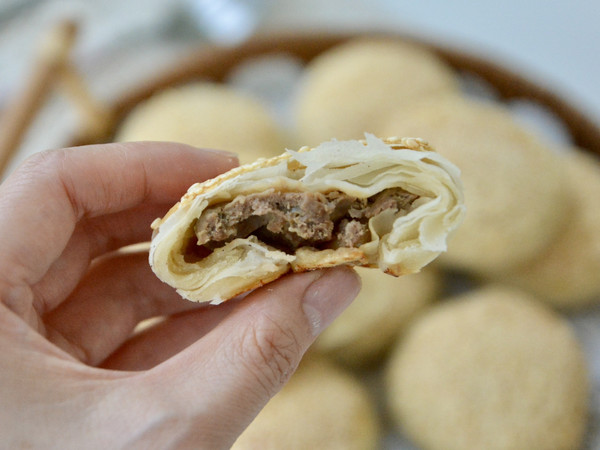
(225, 378)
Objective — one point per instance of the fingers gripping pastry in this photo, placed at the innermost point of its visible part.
(368, 203)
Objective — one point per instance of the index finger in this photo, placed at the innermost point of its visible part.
(42, 201)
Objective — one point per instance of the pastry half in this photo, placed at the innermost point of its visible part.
(388, 204)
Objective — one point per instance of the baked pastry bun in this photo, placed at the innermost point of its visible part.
(490, 369)
(362, 335)
(322, 406)
(514, 183)
(367, 79)
(389, 204)
(206, 115)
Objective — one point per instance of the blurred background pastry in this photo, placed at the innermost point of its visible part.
(322, 406)
(491, 369)
(566, 273)
(352, 88)
(363, 333)
(514, 183)
(206, 115)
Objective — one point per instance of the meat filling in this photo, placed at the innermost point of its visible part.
(288, 220)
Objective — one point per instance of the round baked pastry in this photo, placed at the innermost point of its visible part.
(351, 88)
(367, 203)
(566, 274)
(207, 115)
(514, 184)
(491, 369)
(320, 407)
(364, 331)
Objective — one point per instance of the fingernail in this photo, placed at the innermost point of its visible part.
(328, 296)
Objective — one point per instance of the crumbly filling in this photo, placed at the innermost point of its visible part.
(288, 220)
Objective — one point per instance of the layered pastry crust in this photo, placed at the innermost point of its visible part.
(389, 204)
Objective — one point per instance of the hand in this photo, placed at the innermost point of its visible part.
(72, 375)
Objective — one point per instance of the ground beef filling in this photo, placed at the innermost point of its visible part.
(288, 220)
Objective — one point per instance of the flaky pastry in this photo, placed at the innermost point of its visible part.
(389, 204)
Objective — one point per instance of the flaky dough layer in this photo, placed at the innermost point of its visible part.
(399, 244)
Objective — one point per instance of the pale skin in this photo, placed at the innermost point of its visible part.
(72, 375)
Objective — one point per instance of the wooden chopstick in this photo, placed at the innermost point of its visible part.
(97, 119)
(19, 113)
